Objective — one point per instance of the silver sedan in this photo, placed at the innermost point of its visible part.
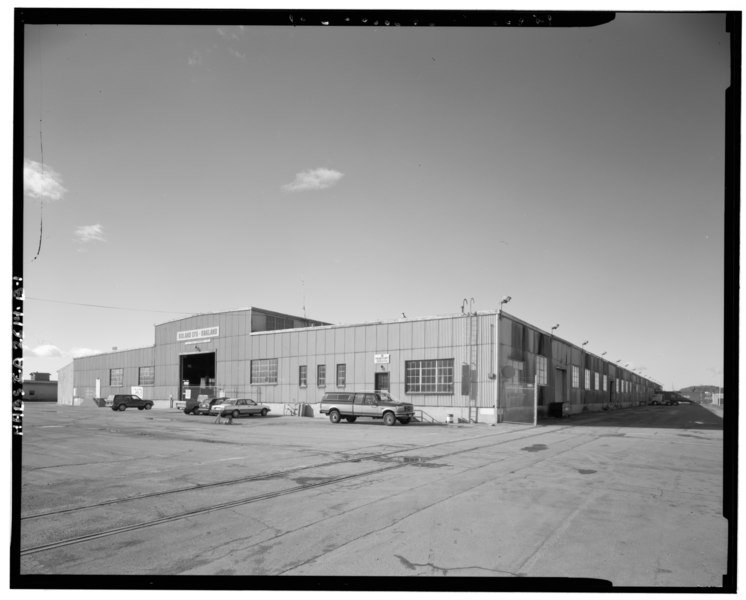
(238, 407)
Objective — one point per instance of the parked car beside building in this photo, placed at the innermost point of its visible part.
(121, 402)
(200, 405)
(238, 407)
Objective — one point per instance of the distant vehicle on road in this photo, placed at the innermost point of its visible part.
(375, 405)
(122, 402)
(238, 407)
(667, 399)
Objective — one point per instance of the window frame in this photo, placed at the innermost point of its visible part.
(120, 372)
(303, 376)
(434, 376)
(264, 371)
(341, 380)
(575, 376)
(143, 381)
(541, 369)
(321, 375)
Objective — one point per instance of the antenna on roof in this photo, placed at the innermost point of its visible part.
(303, 285)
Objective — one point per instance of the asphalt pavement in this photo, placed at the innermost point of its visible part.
(631, 498)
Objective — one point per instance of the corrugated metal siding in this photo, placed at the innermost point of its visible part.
(88, 369)
(355, 346)
(65, 385)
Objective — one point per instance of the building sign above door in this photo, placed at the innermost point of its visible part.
(195, 334)
(381, 359)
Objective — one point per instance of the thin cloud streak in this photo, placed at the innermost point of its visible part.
(313, 179)
(90, 233)
(78, 352)
(44, 351)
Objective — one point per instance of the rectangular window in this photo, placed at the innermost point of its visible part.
(575, 376)
(116, 377)
(275, 323)
(264, 371)
(606, 383)
(428, 376)
(146, 376)
(303, 376)
(587, 379)
(541, 369)
(596, 383)
(341, 375)
(321, 375)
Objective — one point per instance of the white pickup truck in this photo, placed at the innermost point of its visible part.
(375, 405)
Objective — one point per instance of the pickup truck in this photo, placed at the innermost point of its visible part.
(375, 405)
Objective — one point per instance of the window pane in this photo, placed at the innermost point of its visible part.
(146, 376)
(428, 376)
(116, 377)
(264, 371)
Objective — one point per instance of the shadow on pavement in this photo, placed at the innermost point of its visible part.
(683, 416)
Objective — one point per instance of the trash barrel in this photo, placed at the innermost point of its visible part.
(556, 409)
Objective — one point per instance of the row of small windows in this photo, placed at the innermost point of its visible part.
(145, 376)
(420, 376)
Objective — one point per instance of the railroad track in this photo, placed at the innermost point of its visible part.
(394, 459)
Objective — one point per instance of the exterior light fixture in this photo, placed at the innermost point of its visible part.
(604, 354)
(555, 327)
(584, 343)
(504, 300)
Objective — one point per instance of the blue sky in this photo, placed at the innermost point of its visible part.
(365, 172)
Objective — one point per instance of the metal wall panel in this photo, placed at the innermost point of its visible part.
(392, 333)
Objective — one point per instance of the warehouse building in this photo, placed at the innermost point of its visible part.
(475, 366)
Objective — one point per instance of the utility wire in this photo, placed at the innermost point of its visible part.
(41, 147)
(170, 312)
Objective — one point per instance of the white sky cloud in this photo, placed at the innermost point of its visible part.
(44, 351)
(90, 233)
(41, 181)
(313, 179)
(78, 352)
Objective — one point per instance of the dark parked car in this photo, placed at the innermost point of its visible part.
(125, 401)
(200, 405)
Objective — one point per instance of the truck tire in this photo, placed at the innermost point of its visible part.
(334, 416)
(235, 414)
(122, 407)
(148, 406)
(351, 419)
(264, 412)
(389, 418)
